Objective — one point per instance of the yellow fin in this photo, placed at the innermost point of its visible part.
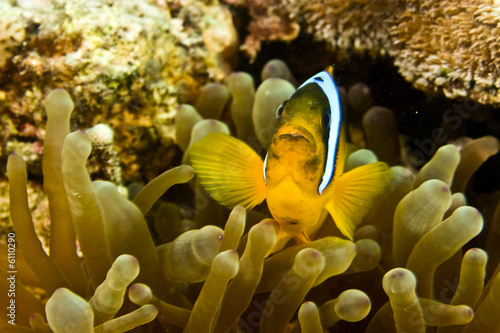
(229, 170)
(354, 193)
(284, 237)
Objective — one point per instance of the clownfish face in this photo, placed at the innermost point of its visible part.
(302, 158)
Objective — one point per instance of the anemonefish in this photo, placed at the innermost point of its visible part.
(302, 172)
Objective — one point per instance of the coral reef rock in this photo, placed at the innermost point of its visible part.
(450, 47)
(125, 63)
(438, 46)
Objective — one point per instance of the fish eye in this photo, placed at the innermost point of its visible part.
(325, 120)
(279, 111)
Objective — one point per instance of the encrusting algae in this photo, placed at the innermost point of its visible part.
(410, 266)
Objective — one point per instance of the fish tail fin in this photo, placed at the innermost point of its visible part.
(281, 240)
(354, 193)
(284, 237)
(229, 170)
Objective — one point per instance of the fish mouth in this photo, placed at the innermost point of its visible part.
(296, 133)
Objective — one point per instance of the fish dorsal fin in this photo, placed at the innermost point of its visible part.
(229, 170)
(354, 193)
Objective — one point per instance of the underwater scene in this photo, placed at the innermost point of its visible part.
(249, 166)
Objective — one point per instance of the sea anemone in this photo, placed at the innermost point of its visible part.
(396, 273)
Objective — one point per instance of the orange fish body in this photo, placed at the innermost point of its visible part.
(303, 169)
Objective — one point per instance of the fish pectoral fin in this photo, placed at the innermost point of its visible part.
(354, 193)
(229, 170)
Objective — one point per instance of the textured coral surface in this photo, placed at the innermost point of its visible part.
(438, 46)
(125, 63)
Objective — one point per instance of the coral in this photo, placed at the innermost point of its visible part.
(439, 46)
(346, 26)
(11, 31)
(350, 26)
(404, 271)
(271, 20)
(126, 64)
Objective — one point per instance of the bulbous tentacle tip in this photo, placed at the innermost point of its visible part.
(399, 281)
(58, 101)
